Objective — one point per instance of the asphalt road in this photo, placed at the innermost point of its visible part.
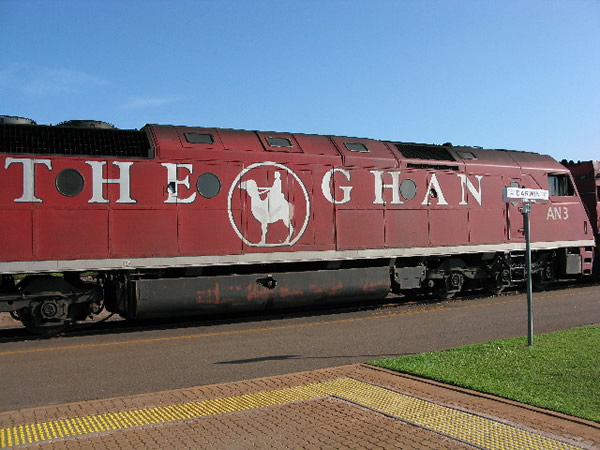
(117, 361)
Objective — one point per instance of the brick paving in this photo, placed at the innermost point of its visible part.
(323, 422)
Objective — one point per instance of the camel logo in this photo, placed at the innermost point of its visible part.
(268, 205)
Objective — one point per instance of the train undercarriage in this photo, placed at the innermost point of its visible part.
(47, 304)
(492, 272)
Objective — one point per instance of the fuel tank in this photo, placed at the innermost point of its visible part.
(163, 297)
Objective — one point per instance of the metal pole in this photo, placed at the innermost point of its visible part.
(526, 210)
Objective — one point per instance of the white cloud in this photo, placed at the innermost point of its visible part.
(58, 81)
(37, 81)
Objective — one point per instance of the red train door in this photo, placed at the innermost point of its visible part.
(514, 217)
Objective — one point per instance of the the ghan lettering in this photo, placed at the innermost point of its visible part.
(336, 185)
(434, 191)
(379, 187)
(465, 182)
(326, 187)
(174, 182)
(98, 181)
(28, 177)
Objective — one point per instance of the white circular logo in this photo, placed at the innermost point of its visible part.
(273, 212)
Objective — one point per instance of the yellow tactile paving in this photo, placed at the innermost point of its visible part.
(459, 425)
(468, 428)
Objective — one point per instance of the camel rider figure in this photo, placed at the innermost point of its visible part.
(275, 195)
(273, 208)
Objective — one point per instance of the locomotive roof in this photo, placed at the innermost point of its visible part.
(91, 138)
(415, 154)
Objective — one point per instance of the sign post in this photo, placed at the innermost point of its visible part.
(526, 211)
(527, 196)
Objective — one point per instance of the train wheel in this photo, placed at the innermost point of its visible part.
(51, 309)
(493, 287)
(452, 284)
(543, 279)
(444, 294)
(497, 282)
(34, 323)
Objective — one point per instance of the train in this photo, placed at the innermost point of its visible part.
(170, 221)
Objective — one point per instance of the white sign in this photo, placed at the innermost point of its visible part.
(526, 195)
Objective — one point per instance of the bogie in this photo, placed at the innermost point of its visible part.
(48, 304)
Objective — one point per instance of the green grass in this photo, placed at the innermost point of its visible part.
(560, 372)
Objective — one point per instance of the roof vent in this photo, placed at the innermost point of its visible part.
(80, 140)
(422, 151)
(16, 120)
(86, 124)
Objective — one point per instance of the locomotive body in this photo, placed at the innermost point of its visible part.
(181, 220)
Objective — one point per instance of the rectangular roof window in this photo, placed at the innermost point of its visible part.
(356, 147)
(417, 151)
(199, 138)
(431, 166)
(279, 142)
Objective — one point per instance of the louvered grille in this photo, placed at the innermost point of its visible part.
(425, 152)
(49, 140)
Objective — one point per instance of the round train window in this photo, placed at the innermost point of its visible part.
(208, 185)
(69, 182)
(408, 189)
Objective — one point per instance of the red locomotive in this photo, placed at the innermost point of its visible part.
(178, 220)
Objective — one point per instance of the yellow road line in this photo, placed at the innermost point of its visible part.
(375, 316)
(455, 424)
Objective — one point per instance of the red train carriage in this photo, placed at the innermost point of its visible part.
(180, 220)
(587, 179)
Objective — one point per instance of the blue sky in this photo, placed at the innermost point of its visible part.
(517, 74)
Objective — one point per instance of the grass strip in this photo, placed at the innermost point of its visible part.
(560, 372)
